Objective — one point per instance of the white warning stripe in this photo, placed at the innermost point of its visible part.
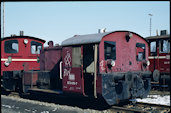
(159, 57)
(5, 59)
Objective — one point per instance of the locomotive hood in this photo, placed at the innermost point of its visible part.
(88, 39)
(84, 39)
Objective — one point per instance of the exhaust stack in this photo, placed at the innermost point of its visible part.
(21, 33)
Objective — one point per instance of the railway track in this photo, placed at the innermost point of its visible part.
(159, 87)
(140, 107)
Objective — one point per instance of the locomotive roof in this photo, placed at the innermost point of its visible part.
(89, 38)
(158, 37)
(30, 37)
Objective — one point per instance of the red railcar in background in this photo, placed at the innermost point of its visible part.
(18, 53)
(159, 57)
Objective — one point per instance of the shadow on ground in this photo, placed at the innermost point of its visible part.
(73, 101)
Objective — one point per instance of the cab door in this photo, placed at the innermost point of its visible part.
(164, 55)
(153, 55)
(90, 57)
(72, 69)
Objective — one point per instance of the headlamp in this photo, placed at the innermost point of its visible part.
(25, 41)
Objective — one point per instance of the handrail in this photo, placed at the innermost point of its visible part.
(61, 70)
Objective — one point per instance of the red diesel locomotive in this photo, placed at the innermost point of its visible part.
(109, 65)
(18, 53)
(159, 57)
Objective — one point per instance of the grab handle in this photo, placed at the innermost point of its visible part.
(60, 70)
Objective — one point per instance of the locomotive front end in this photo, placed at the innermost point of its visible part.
(18, 54)
(124, 67)
(117, 87)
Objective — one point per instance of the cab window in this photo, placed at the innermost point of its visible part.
(35, 47)
(164, 46)
(140, 51)
(153, 48)
(110, 50)
(11, 46)
(76, 56)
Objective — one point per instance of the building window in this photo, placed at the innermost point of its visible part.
(35, 47)
(110, 50)
(11, 46)
(76, 56)
(140, 51)
(165, 46)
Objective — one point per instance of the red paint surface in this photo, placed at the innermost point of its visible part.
(30, 78)
(50, 57)
(161, 64)
(24, 53)
(125, 53)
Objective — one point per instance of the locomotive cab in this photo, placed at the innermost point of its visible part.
(18, 53)
(113, 65)
(159, 57)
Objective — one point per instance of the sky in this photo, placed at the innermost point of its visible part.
(58, 21)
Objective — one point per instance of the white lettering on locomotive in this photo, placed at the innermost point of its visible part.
(167, 62)
(71, 77)
(71, 83)
(159, 57)
(67, 72)
(102, 65)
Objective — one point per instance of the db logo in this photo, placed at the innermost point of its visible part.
(67, 59)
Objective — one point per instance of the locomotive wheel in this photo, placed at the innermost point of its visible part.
(138, 87)
(156, 75)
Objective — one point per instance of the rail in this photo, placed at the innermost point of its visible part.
(140, 107)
